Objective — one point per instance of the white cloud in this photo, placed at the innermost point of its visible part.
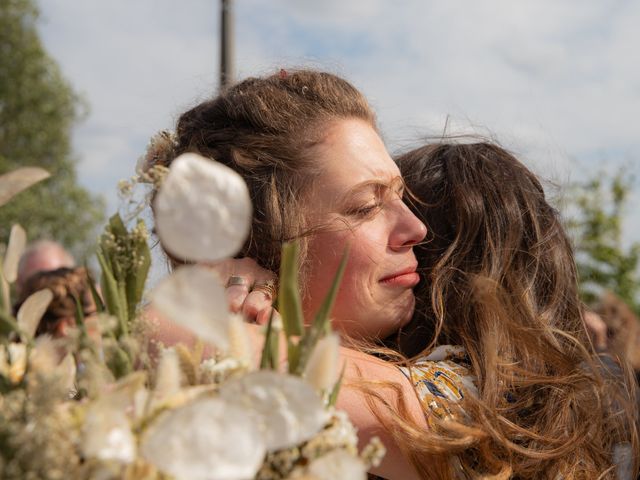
(554, 80)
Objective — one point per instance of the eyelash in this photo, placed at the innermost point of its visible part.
(365, 210)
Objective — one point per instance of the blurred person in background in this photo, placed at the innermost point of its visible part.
(41, 256)
(69, 286)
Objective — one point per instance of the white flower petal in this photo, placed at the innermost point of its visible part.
(17, 242)
(67, 371)
(107, 434)
(18, 361)
(322, 369)
(205, 439)
(168, 376)
(287, 408)
(32, 310)
(203, 209)
(338, 464)
(193, 298)
(18, 180)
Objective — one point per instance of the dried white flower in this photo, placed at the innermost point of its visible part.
(193, 298)
(338, 464)
(286, 408)
(168, 376)
(17, 180)
(15, 247)
(32, 310)
(17, 361)
(206, 439)
(203, 210)
(322, 369)
(107, 434)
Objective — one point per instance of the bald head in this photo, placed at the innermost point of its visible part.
(42, 256)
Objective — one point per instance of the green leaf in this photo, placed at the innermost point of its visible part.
(8, 325)
(266, 359)
(111, 293)
(333, 396)
(289, 303)
(97, 299)
(137, 277)
(321, 324)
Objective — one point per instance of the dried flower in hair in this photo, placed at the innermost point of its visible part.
(160, 151)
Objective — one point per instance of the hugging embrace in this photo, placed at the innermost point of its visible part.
(463, 337)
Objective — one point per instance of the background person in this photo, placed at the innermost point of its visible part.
(42, 256)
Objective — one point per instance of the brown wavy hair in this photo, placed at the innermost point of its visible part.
(500, 280)
(68, 285)
(264, 128)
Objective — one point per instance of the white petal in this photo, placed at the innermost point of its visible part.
(44, 357)
(18, 360)
(18, 180)
(107, 434)
(17, 242)
(32, 310)
(205, 439)
(338, 464)
(287, 408)
(193, 298)
(67, 371)
(322, 368)
(203, 209)
(168, 376)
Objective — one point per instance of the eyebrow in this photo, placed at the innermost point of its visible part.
(396, 184)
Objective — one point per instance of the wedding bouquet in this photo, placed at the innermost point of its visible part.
(117, 407)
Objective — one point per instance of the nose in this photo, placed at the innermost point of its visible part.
(408, 229)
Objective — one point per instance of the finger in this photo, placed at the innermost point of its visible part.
(236, 296)
(263, 316)
(254, 303)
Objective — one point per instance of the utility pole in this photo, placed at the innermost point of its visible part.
(226, 43)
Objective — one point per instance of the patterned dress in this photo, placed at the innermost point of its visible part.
(441, 378)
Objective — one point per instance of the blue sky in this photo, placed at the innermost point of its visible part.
(557, 81)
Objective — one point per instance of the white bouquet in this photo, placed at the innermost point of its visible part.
(104, 408)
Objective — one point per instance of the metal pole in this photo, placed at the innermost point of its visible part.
(226, 44)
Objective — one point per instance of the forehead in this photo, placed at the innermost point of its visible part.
(352, 153)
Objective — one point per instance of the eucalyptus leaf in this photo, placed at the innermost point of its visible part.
(16, 181)
(32, 310)
(15, 248)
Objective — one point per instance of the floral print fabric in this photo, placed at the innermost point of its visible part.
(441, 378)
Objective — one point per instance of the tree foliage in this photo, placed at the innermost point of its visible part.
(604, 262)
(38, 109)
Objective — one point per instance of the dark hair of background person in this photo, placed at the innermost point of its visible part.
(67, 285)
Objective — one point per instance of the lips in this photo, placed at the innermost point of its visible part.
(405, 278)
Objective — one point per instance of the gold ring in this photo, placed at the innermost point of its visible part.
(269, 288)
(236, 280)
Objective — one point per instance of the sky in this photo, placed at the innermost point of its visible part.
(555, 81)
